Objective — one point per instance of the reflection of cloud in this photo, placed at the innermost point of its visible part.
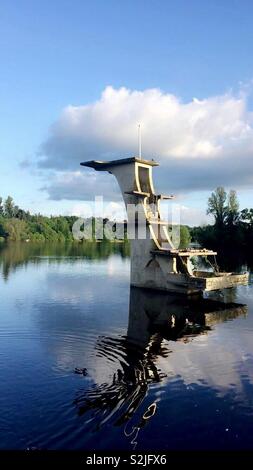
(77, 305)
(201, 144)
(61, 310)
(81, 300)
(75, 281)
(216, 360)
(81, 306)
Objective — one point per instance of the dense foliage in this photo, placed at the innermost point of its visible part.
(18, 225)
(232, 232)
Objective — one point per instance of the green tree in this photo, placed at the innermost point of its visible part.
(217, 206)
(185, 237)
(246, 216)
(3, 233)
(9, 207)
(232, 208)
(16, 229)
(1, 206)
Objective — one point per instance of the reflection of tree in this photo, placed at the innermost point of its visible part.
(152, 319)
(17, 254)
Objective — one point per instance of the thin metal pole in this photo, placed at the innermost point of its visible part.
(139, 139)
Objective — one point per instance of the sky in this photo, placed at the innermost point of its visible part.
(76, 78)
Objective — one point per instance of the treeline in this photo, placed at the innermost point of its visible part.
(19, 225)
(232, 232)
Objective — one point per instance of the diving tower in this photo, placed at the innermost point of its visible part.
(155, 261)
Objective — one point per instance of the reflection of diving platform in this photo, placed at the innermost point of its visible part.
(155, 261)
(131, 362)
(175, 317)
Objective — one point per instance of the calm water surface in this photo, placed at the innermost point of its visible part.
(87, 363)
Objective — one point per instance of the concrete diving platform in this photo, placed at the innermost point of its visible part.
(155, 262)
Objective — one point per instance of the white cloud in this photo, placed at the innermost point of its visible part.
(111, 210)
(200, 144)
(193, 216)
(80, 185)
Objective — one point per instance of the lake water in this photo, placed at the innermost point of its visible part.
(87, 363)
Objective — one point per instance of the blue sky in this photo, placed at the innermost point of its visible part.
(61, 53)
